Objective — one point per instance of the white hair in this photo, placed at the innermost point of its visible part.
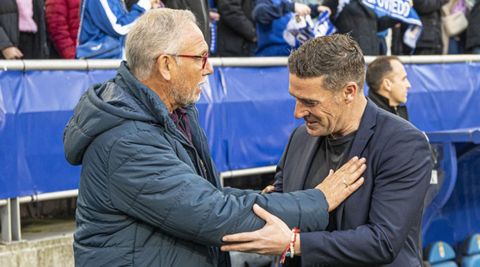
(158, 31)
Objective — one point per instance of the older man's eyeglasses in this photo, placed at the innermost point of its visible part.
(204, 58)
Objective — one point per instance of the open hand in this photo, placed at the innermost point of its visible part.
(272, 239)
(339, 185)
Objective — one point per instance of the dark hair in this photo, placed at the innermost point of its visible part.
(378, 69)
(337, 57)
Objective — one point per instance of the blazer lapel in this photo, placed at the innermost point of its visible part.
(302, 165)
(363, 135)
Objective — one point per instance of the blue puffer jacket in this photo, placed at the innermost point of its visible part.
(144, 196)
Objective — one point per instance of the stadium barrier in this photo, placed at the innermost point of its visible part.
(245, 109)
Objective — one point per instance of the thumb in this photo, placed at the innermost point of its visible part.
(262, 213)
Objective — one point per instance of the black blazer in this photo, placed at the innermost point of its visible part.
(380, 224)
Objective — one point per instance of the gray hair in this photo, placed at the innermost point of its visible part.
(338, 58)
(156, 32)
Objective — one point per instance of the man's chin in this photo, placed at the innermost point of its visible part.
(313, 131)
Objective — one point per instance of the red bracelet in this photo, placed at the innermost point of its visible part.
(290, 249)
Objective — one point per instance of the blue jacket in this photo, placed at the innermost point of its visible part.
(147, 197)
(272, 18)
(104, 25)
(378, 225)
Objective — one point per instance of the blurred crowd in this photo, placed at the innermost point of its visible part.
(42, 29)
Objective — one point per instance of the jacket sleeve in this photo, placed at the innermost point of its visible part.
(56, 14)
(4, 40)
(155, 187)
(232, 14)
(401, 180)
(113, 18)
(265, 11)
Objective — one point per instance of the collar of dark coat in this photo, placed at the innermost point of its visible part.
(379, 100)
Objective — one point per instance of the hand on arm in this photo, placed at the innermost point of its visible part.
(272, 239)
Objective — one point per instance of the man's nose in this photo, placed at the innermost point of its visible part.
(208, 69)
(300, 111)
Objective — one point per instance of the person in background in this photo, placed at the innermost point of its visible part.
(63, 20)
(275, 19)
(103, 26)
(23, 33)
(473, 30)
(388, 85)
(236, 29)
(430, 40)
(199, 8)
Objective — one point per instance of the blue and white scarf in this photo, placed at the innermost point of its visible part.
(401, 10)
(302, 28)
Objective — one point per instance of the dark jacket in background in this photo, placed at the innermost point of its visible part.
(382, 102)
(361, 23)
(10, 33)
(430, 40)
(236, 28)
(473, 30)
(150, 197)
(199, 8)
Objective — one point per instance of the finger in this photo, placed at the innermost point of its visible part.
(355, 186)
(350, 163)
(262, 213)
(352, 177)
(356, 164)
(244, 247)
(240, 237)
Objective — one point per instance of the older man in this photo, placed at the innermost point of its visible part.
(379, 225)
(388, 85)
(149, 194)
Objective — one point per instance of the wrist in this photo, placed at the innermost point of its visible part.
(297, 245)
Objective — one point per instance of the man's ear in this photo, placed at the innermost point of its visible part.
(164, 66)
(350, 91)
(387, 84)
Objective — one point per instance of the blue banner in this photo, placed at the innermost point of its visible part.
(247, 114)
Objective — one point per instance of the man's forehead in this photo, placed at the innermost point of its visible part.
(193, 40)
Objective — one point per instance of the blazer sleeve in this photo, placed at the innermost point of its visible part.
(155, 186)
(401, 180)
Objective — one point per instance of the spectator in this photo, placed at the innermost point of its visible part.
(273, 20)
(430, 41)
(199, 8)
(236, 28)
(103, 26)
(388, 85)
(63, 21)
(473, 30)
(360, 22)
(22, 30)
(454, 23)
